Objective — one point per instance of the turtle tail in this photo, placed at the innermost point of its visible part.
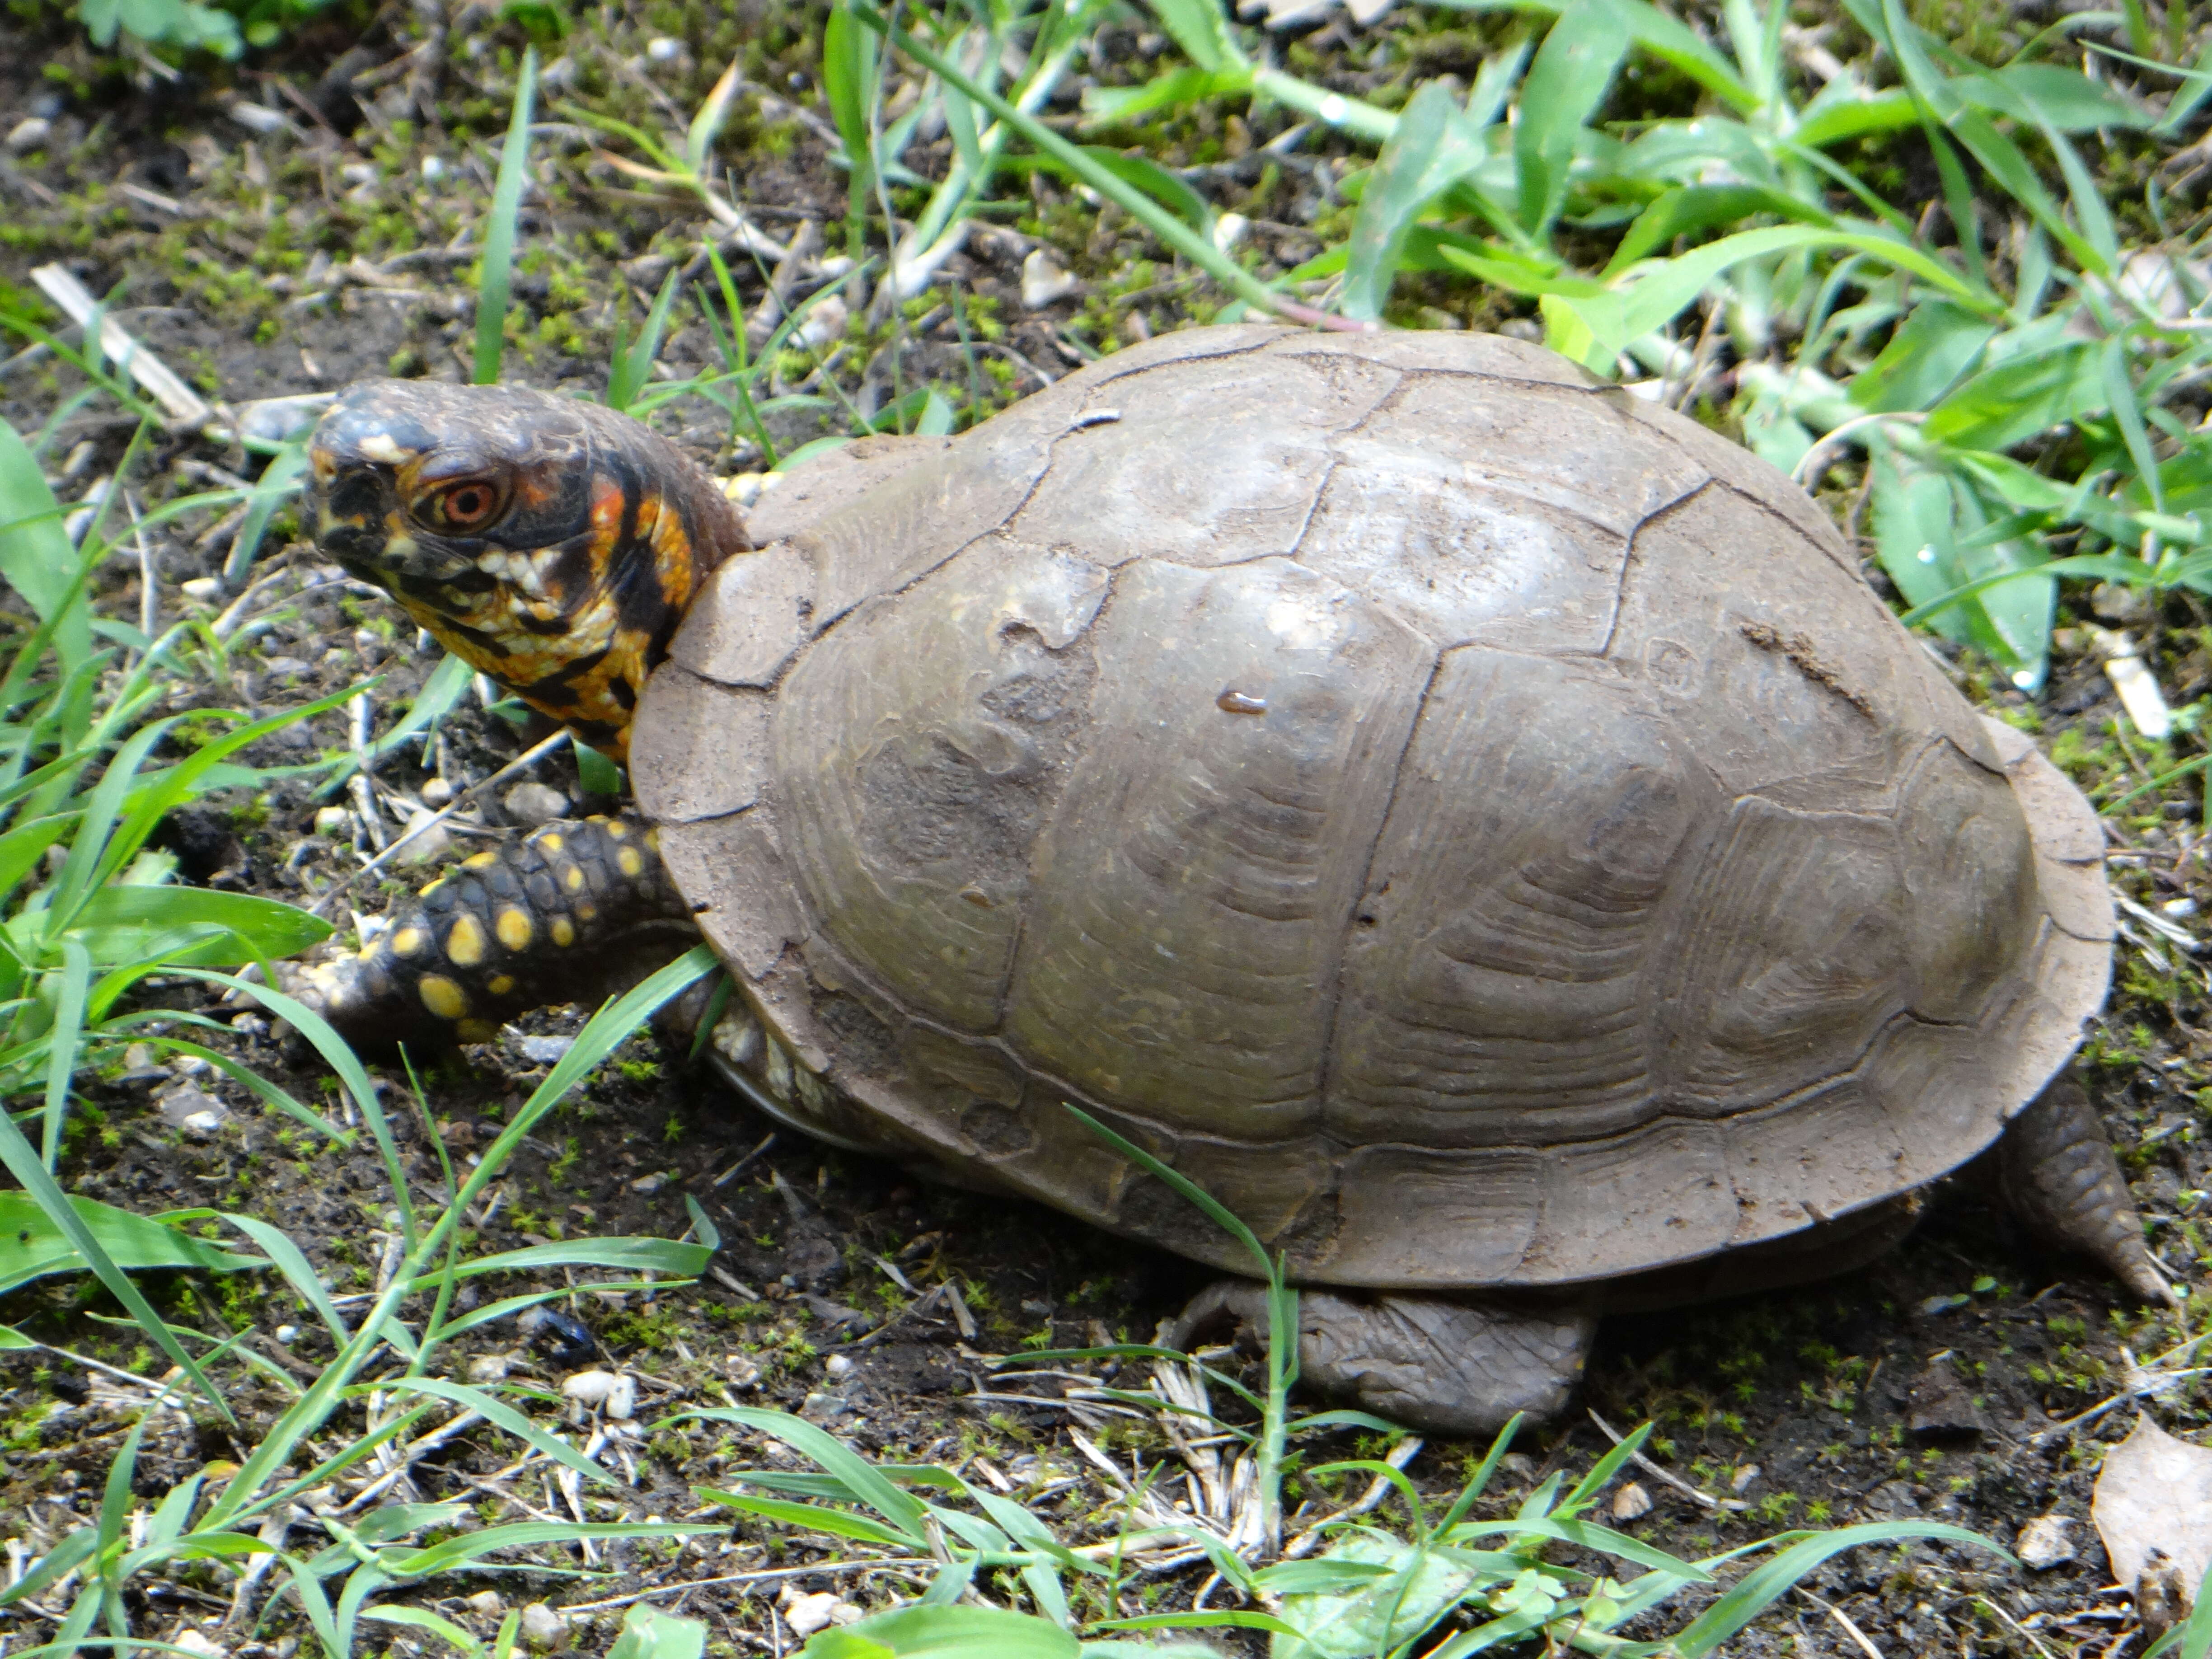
(570, 912)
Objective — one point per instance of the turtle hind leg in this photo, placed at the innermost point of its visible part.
(567, 913)
(1439, 1365)
(2057, 1171)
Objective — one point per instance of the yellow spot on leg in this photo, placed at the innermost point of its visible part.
(442, 997)
(476, 1030)
(617, 830)
(480, 861)
(407, 941)
(550, 842)
(464, 942)
(564, 931)
(571, 877)
(499, 985)
(586, 911)
(514, 928)
(629, 862)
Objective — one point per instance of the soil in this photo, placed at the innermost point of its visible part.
(1941, 1384)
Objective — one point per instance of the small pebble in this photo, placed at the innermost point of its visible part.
(1229, 230)
(1630, 1502)
(1743, 1478)
(648, 1184)
(335, 822)
(622, 1398)
(287, 1335)
(810, 1613)
(486, 1603)
(438, 794)
(542, 1628)
(544, 1050)
(30, 134)
(662, 49)
(1045, 280)
(825, 321)
(204, 588)
(533, 803)
(2045, 1542)
(487, 1368)
(433, 167)
(838, 1367)
(196, 1112)
(741, 1372)
(192, 1641)
(590, 1388)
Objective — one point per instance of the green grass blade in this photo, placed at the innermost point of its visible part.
(23, 1162)
(74, 981)
(496, 275)
(279, 483)
(848, 80)
(633, 367)
(1214, 1209)
(1172, 231)
(860, 1477)
(1759, 1587)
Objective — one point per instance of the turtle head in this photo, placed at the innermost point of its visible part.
(553, 544)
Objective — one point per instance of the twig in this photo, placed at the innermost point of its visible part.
(1844, 1619)
(766, 1574)
(1674, 1480)
(185, 406)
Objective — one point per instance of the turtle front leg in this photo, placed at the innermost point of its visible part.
(570, 912)
(2057, 1171)
(1441, 1366)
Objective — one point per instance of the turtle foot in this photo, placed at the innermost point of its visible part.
(1443, 1367)
(566, 915)
(2058, 1174)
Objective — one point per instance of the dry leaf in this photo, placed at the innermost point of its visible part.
(2155, 1493)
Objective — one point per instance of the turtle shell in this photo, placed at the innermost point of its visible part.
(1479, 826)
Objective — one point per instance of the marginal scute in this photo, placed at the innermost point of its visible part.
(757, 611)
(1810, 1159)
(733, 872)
(1941, 1094)
(1604, 1202)
(1418, 1215)
(700, 749)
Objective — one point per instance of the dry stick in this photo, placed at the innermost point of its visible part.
(764, 1575)
(1844, 1619)
(185, 407)
(1674, 1480)
(428, 820)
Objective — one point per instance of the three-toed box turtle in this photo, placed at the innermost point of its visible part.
(1479, 826)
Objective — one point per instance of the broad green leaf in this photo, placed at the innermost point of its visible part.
(2014, 400)
(32, 1246)
(963, 1633)
(1665, 38)
(1431, 151)
(2067, 99)
(449, 1554)
(656, 1254)
(36, 558)
(11, 1338)
(1566, 83)
(114, 919)
(1936, 343)
(649, 1633)
(1201, 30)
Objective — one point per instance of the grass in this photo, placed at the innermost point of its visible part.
(2013, 411)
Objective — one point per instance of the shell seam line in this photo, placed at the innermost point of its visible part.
(1665, 509)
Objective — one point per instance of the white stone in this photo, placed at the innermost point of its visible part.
(839, 1366)
(542, 1628)
(810, 1613)
(591, 1388)
(622, 1398)
(2045, 1542)
(533, 803)
(1630, 1502)
(1044, 280)
(30, 134)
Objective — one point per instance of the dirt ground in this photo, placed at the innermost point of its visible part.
(1941, 1384)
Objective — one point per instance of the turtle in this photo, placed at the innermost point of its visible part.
(1482, 827)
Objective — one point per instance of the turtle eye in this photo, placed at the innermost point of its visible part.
(464, 505)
